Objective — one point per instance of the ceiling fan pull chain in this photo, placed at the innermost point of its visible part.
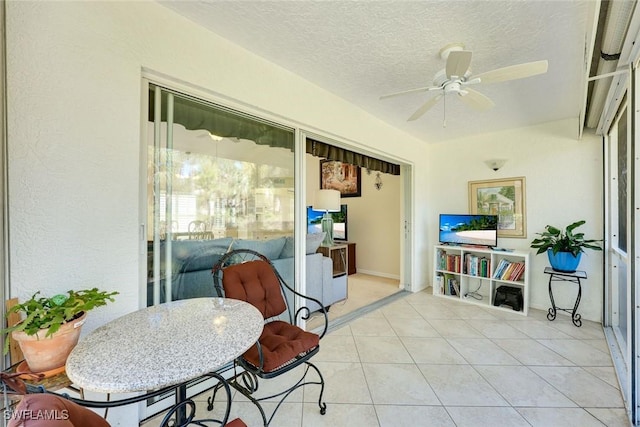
(444, 116)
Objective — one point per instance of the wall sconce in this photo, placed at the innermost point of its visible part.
(495, 164)
(378, 183)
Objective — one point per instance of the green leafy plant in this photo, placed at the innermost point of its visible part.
(564, 241)
(50, 313)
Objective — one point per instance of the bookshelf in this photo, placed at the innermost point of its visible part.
(474, 275)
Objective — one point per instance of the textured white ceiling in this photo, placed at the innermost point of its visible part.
(360, 50)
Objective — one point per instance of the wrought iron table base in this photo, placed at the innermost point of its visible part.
(559, 276)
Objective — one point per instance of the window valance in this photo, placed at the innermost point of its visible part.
(195, 115)
(327, 151)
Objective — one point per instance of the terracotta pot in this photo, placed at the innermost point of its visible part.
(46, 353)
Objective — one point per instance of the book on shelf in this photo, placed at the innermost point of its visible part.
(452, 285)
(440, 283)
(509, 270)
(448, 262)
(476, 266)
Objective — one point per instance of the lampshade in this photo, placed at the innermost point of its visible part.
(327, 200)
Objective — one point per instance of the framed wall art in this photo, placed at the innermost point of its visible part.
(344, 177)
(502, 197)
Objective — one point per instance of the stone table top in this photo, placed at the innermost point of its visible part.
(164, 345)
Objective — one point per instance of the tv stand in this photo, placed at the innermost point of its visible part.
(475, 275)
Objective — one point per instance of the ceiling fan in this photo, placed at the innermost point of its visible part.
(456, 78)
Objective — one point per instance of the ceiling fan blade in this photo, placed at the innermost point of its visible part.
(476, 100)
(425, 107)
(514, 72)
(391, 95)
(458, 63)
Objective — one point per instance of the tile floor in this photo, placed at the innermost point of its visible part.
(363, 290)
(426, 361)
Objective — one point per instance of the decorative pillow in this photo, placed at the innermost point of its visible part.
(314, 240)
(269, 248)
(288, 248)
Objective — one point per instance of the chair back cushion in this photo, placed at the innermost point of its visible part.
(48, 410)
(256, 283)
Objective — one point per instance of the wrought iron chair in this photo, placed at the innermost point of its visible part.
(198, 230)
(247, 275)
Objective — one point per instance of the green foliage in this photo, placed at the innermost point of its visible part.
(50, 313)
(564, 241)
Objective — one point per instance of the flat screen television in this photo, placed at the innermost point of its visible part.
(339, 222)
(463, 229)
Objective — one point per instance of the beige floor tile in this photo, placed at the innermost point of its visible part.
(412, 327)
(461, 385)
(469, 311)
(371, 326)
(382, 350)
(435, 311)
(496, 329)
(405, 415)
(344, 383)
(569, 417)
(339, 415)
(482, 351)
(612, 417)
(486, 416)
(398, 384)
(538, 329)
(580, 386)
(531, 352)
(454, 328)
(400, 310)
(520, 386)
(588, 330)
(423, 297)
(578, 352)
(605, 373)
(436, 351)
(337, 348)
(599, 345)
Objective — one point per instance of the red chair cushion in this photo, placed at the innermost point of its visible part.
(48, 410)
(281, 342)
(256, 283)
(236, 423)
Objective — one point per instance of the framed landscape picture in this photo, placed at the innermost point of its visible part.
(344, 177)
(502, 197)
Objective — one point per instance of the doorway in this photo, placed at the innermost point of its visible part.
(378, 231)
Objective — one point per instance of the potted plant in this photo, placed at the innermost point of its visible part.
(51, 326)
(564, 248)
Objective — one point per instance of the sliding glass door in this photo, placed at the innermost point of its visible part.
(215, 177)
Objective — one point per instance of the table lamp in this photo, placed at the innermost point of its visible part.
(327, 201)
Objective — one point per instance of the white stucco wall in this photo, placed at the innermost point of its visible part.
(563, 184)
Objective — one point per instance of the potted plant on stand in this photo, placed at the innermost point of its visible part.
(564, 248)
(51, 326)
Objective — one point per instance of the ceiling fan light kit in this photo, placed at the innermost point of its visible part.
(457, 76)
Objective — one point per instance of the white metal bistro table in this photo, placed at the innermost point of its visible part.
(164, 345)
